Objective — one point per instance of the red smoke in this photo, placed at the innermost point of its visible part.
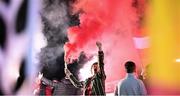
(112, 22)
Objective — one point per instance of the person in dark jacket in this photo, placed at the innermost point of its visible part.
(94, 85)
(62, 86)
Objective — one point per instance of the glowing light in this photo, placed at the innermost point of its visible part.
(141, 42)
(178, 60)
(85, 72)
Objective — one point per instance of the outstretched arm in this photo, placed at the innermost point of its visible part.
(101, 60)
(73, 80)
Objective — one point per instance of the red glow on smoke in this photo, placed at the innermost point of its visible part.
(112, 22)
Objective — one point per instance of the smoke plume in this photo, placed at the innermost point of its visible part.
(57, 16)
(112, 22)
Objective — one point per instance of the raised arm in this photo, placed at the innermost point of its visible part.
(46, 81)
(116, 91)
(101, 60)
(73, 80)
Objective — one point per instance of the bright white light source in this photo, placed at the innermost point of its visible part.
(85, 72)
(141, 42)
(178, 60)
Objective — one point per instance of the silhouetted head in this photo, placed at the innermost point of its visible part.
(130, 66)
(94, 68)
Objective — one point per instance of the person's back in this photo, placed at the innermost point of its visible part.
(130, 85)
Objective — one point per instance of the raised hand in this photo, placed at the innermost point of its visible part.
(40, 75)
(67, 72)
(99, 45)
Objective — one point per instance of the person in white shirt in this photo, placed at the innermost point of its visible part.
(130, 85)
